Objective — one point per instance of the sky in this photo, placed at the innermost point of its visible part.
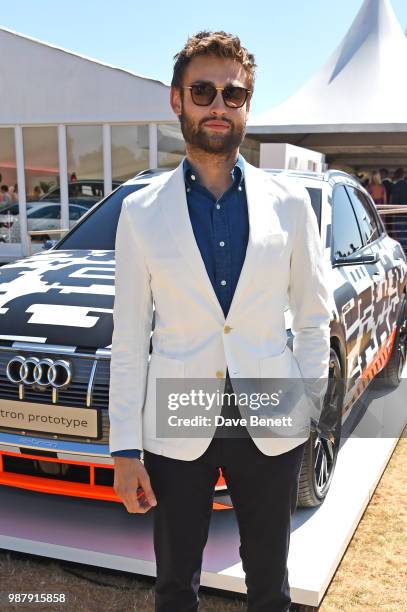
(291, 39)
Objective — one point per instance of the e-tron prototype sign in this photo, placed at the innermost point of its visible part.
(28, 416)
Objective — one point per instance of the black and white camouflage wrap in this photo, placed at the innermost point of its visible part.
(59, 297)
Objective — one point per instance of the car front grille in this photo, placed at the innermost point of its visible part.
(68, 472)
(74, 395)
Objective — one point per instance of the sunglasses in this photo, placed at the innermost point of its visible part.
(203, 94)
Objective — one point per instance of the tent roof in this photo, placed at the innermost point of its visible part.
(48, 84)
(361, 88)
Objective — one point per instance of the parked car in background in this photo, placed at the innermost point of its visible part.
(8, 217)
(41, 216)
(56, 332)
(83, 192)
(13, 209)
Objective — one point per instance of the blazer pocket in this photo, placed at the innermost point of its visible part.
(282, 365)
(158, 391)
(281, 377)
(166, 367)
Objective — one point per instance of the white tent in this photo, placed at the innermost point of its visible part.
(361, 88)
(42, 83)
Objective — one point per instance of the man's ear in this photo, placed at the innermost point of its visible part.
(175, 100)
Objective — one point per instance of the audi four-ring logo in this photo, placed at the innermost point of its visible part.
(44, 372)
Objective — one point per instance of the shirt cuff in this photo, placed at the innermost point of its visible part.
(133, 452)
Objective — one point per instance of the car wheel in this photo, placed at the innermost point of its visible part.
(390, 376)
(320, 455)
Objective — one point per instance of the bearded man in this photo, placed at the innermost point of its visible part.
(217, 245)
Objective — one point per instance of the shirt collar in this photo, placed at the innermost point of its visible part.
(237, 172)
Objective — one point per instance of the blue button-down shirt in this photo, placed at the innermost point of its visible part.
(221, 229)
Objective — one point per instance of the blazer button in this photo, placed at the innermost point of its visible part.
(220, 374)
(227, 329)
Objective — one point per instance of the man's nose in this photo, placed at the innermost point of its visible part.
(218, 105)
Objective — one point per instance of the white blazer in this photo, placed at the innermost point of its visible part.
(158, 261)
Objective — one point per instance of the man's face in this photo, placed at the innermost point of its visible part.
(215, 128)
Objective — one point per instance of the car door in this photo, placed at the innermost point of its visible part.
(353, 283)
(44, 217)
(384, 273)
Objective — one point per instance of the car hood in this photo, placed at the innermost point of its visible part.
(62, 297)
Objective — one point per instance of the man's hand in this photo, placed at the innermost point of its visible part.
(132, 484)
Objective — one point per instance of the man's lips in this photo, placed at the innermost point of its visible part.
(217, 125)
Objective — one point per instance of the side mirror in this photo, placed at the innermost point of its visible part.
(354, 260)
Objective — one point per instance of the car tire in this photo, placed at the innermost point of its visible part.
(320, 455)
(390, 376)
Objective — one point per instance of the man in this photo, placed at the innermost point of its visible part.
(218, 245)
(399, 191)
(387, 183)
(397, 222)
(5, 197)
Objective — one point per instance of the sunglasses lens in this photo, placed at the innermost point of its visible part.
(203, 94)
(234, 96)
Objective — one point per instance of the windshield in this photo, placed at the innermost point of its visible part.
(98, 230)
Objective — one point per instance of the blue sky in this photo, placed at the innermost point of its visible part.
(291, 39)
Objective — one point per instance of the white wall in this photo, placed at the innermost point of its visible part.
(281, 155)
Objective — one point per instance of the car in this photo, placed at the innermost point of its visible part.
(83, 191)
(56, 332)
(40, 216)
(8, 215)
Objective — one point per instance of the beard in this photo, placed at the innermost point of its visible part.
(194, 135)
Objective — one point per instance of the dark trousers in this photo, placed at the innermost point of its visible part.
(263, 490)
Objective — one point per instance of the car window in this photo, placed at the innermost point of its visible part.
(366, 218)
(46, 212)
(87, 190)
(76, 212)
(316, 201)
(12, 209)
(98, 230)
(346, 238)
(52, 196)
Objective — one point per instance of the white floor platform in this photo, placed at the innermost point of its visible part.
(104, 534)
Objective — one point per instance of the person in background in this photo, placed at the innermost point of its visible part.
(386, 182)
(399, 191)
(376, 189)
(5, 198)
(36, 194)
(398, 222)
(13, 194)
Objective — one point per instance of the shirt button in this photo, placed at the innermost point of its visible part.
(188, 189)
(218, 206)
(193, 177)
(220, 374)
(227, 329)
(221, 243)
(223, 282)
(240, 188)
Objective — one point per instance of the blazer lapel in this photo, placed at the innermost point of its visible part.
(174, 205)
(264, 226)
(264, 229)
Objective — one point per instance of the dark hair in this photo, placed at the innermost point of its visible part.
(4, 188)
(399, 174)
(219, 44)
